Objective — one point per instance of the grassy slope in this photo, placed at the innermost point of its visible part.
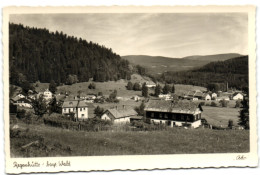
(220, 116)
(174, 141)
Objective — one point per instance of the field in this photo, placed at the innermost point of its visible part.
(172, 141)
(219, 116)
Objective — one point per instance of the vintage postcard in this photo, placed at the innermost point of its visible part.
(128, 88)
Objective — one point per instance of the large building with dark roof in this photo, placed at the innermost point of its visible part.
(174, 113)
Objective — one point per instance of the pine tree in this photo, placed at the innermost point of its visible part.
(173, 89)
(144, 90)
(166, 89)
(244, 114)
(157, 90)
(52, 86)
(129, 85)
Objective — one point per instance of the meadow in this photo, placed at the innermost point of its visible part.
(171, 141)
(220, 116)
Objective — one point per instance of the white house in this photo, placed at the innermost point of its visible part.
(238, 96)
(47, 95)
(214, 95)
(119, 116)
(78, 107)
(82, 110)
(206, 97)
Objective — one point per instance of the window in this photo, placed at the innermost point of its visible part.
(174, 117)
(80, 109)
(70, 103)
(166, 116)
(82, 115)
(152, 115)
(69, 110)
(188, 118)
(160, 115)
(64, 110)
(182, 117)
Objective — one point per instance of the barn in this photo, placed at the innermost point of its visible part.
(174, 113)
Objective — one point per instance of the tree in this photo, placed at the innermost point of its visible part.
(223, 103)
(140, 109)
(157, 90)
(144, 90)
(71, 79)
(92, 86)
(52, 86)
(244, 114)
(26, 86)
(112, 97)
(136, 87)
(166, 89)
(238, 104)
(173, 89)
(39, 106)
(98, 111)
(129, 86)
(230, 124)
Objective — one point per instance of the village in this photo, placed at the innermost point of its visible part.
(171, 108)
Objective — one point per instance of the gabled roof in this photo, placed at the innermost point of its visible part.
(198, 94)
(182, 106)
(236, 93)
(82, 104)
(70, 104)
(120, 113)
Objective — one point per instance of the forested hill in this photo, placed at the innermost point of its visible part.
(38, 54)
(234, 71)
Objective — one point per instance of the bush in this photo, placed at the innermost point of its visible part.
(95, 124)
(223, 103)
(230, 124)
(92, 86)
(213, 104)
(202, 103)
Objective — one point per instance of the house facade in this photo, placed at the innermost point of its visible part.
(23, 102)
(47, 95)
(238, 96)
(170, 113)
(78, 107)
(119, 116)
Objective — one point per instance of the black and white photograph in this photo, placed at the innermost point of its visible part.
(129, 84)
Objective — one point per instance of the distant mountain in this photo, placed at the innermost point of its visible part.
(234, 71)
(218, 57)
(158, 64)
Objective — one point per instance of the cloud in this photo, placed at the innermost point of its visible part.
(173, 35)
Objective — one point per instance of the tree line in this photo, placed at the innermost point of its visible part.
(40, 55)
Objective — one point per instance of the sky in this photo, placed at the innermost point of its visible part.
(156, 34)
